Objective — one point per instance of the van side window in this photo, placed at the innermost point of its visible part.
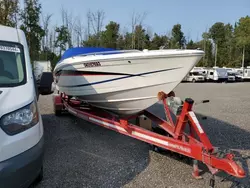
(211, 73)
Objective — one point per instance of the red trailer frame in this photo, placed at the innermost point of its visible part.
(176, 139)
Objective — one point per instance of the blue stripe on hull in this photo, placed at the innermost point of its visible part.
(124, 77)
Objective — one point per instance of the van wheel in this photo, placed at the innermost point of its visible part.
(193, 80)
(40, 176)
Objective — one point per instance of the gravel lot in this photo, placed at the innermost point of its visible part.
(80, 154)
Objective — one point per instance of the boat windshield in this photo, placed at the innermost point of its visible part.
(12, 65)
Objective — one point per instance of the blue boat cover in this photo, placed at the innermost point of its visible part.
(84, 50)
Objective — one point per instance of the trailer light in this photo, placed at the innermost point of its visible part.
(20, 120)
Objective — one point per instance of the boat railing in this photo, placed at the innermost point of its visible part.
(109, 52)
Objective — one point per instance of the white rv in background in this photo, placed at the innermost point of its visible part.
(246, 74)
(197, 74)
(217, 74)
(40, 67)
(238, 74)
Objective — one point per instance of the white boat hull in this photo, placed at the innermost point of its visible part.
(125, 86)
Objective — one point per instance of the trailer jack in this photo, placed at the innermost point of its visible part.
(193, 144)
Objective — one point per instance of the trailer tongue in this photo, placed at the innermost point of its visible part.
(174, 137)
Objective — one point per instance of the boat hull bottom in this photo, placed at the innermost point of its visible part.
(124, 102)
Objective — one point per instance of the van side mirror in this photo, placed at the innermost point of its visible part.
(45, 84)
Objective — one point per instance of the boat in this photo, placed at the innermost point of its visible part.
(124, 82)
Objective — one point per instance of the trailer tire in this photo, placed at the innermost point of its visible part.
(155, 148)
(57, 112)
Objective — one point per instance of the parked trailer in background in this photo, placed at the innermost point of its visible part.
(246, 74)
(238, 74)
(217, 74)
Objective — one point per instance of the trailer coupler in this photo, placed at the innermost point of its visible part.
(200, 149)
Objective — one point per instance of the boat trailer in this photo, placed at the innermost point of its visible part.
(193, 144)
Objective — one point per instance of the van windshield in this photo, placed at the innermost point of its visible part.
(12, 65)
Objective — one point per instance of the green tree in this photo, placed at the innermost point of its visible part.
(208, 61)
(242, 33)
(159, 41)
(30, 17)
(92, 41)
(228, 45)
(120, 42)
(218, 35)
(178, 38)
(217, 32)
(127, 40)
(110, 35)
(47, 55)
(8, 12)
(235, 51)
(141, 38)
(192, 45)
(147, 42)
(62, 38)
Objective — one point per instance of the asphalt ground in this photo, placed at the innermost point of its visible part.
(81, 154)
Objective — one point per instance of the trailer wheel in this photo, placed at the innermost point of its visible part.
(160, 131)
(57, 112)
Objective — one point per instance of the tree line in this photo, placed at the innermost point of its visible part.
(224, 44)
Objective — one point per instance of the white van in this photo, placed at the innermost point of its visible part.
(21, 127)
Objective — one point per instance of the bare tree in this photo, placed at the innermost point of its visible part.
(52, 39)
(188, 37)
(68, 21)
(88, 26)
(46, 22)
(149, 31)
(79, 32)
(96, 21)
(137, 19)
